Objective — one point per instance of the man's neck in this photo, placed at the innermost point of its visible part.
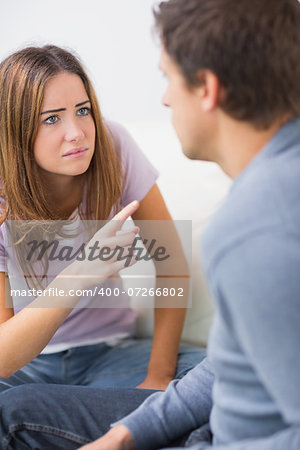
(240, 142)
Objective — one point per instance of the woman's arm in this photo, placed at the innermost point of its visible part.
(168, 320)
(25, 334)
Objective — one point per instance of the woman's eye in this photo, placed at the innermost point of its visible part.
(83, 111)
(51, 119)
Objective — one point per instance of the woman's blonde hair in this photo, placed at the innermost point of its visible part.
(23, 77)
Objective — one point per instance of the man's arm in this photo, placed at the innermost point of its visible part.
(164, 416)
(288, 439)
(259, 283)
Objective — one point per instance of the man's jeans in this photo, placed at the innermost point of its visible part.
(61, 417)
(41, 417)
(55, 416)
(99, 365)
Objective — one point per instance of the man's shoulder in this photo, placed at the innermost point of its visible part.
(262, 200)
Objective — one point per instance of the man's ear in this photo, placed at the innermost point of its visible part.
(209, 89)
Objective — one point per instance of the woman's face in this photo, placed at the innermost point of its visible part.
(65, 141)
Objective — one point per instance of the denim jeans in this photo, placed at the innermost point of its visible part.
(67, 399)
(42, 417)
(62, 417)
(101, 366)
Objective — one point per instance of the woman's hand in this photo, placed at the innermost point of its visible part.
(112, 250)
(159, 382)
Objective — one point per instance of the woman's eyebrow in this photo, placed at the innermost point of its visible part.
(82, 103)
(53, 110)
(64, 109)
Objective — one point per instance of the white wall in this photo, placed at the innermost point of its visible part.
(112, 37)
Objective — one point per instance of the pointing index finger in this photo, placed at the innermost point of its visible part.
(118, 220)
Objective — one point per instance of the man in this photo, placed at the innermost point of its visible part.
(233, 69)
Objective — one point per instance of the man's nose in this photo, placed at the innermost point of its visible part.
(165, 100)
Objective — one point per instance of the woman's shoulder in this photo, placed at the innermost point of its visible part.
(114, 127)
(119, 134)
(122, 141)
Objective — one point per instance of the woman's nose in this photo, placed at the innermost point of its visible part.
(74, 132)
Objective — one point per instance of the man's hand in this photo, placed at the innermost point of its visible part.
(118, 438)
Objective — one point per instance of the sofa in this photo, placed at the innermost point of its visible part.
(192, 190)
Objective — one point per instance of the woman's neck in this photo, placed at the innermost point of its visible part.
(64, 193)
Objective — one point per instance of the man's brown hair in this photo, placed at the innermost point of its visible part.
(252, 46)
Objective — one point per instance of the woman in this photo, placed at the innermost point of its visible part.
(60, 159)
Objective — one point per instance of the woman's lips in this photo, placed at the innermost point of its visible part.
(76, 152)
